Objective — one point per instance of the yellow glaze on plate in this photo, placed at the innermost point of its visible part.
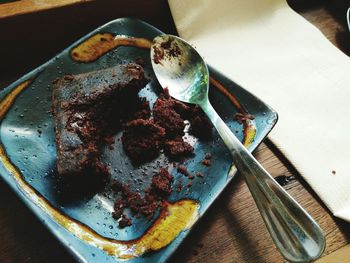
(249, 131)
(99, 44)
(7, 102)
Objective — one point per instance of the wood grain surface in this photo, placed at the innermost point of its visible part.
(16, 8)
(232, 230)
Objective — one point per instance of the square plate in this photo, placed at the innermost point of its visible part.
(85, 227)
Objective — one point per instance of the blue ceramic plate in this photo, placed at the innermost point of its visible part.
(85, 227)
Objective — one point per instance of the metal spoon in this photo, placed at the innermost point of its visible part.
(180, 68)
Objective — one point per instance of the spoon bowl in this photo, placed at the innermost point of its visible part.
(179, 67)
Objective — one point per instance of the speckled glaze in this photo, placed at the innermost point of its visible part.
(85, 227)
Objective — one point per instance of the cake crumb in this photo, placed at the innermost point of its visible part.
(118, 209)
(179, 185)
(177, 149)
(199, 174)
(161, 182)
(183, 170)
(207, 160)
(125, 221)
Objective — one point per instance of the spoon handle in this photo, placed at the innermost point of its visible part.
(298, 237)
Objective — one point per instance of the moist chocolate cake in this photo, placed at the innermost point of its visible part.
(88, 108)
(161, 182)
(142, 140)
(170, 114)
(165, 114)
(177, 149)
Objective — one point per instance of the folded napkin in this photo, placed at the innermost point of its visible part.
(273, 52)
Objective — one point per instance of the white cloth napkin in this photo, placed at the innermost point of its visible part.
(273, 52)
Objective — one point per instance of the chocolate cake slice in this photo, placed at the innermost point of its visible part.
(88, 109)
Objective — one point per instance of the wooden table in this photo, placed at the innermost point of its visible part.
(232, 230)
